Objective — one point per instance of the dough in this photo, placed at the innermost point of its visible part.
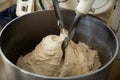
(47, 58)
(79, 59)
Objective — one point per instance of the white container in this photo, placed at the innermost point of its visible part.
(24, 7)
(99, 6)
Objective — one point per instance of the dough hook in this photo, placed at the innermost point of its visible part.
(83, 8)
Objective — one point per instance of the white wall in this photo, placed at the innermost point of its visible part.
(116, 21)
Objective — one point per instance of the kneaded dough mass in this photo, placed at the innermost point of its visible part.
(47, 58)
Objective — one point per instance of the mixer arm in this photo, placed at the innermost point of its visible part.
(84, 6)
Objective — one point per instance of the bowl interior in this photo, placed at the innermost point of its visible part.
(23, 34)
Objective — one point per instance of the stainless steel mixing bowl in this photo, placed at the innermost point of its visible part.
(23, 33)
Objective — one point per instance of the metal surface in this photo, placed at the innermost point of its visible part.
(72, 29)
(58, 14)
(23, 34)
